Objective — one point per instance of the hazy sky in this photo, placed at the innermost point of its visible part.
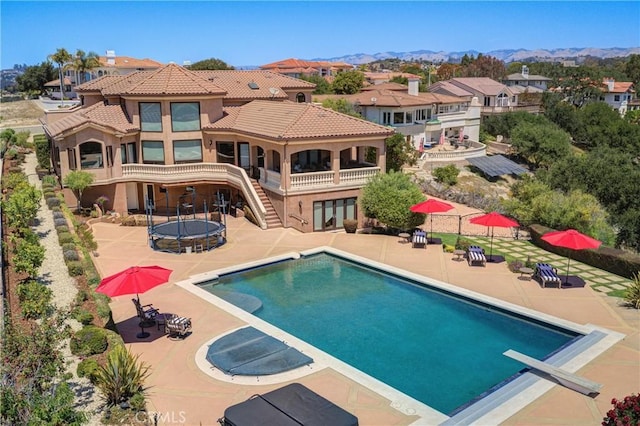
(255, 33)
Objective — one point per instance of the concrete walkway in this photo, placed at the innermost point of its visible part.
(180, 390)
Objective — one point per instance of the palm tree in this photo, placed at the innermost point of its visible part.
(61, 57)
(83, 62)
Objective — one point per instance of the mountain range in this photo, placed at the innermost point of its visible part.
(506, 55)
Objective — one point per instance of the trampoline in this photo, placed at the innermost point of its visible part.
(186, 235)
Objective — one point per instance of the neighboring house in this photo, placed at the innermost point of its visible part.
(52, 89)
(494, 97)
(524, 79)
(110, 64)
(422, 117)
(299, 67)
(617, 94)
(151, 137)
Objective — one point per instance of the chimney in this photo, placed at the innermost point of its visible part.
(610, 82)
(525, 71)
(111, 57)
(413, 86)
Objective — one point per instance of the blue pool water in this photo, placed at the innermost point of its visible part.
(440, 349)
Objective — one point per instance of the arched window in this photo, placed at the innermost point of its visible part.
(91, 155)
(100, 73)
(301, 98)
(503, 100)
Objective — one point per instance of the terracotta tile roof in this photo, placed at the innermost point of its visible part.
(236, 83)
(128, 62)
(395, 99)
(99, 84)
(289, 121)
(619, 87)
(448, 87)
(172, 79)
(387, 86)
(483, 85)
(386, 76)
(110, 116)
(56, 82)
(293, 63)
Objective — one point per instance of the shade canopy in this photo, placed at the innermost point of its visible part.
(491, 220)
(494, 219)
(571, 239)
(133, 280)
(431, 206)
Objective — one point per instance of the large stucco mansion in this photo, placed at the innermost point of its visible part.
(172, 138)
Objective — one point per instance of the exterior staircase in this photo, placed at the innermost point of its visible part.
(272, 219)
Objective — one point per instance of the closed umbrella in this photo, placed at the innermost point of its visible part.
(492, 220)
(570, 239)
(431, 206)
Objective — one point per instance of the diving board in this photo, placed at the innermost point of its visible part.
(565, 378)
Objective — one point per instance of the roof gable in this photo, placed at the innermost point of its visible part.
(290, 120)
(110, 116)
(483, 85)
(172, 79)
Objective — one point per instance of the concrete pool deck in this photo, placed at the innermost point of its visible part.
(182, 394)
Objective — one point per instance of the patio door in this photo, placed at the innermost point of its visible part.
(149, 197)
(330, 214)
(132, 196)
(244, 159)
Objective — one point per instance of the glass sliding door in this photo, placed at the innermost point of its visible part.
(330, 214)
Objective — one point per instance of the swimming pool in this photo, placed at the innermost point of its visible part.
(439, 349)
(402, 300)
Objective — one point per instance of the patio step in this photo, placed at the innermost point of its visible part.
(272, 218)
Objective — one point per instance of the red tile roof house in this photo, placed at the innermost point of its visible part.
(298, 67)
(617, 94)
(494, 97)
(420, 116)
(149, 136)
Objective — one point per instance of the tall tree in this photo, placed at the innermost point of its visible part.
(62, 57)
(540, 144)
(84, 62)
(399, 152)
(341, 105)
(322, 86)
(348, 82)
(447, 71)
(485, 66)
(210, 64)
(35, 77)
(632, 69)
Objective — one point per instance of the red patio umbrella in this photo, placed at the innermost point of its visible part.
(133, 280)
(492, 220)
(570, 239)
(431, 206)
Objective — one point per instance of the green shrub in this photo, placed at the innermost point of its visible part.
(138, 402)
(625, 412)
(15, 169)
(62, 229)
(75, 268)
(448, 249)
(21, 138)
(70, 255)
(50, 180)
(14, 179)
(83, 316)
(53, 202)
(65, 237)
(68, 246)
(60, 221)
(90, 340)
(48, 194)
(35, 299)
(462, 244)
(122, 377)
(88, 368)
(632, 295)
(56, 209)
(447, 175)
(11, 154)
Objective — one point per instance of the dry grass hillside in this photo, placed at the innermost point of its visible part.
(20, 113)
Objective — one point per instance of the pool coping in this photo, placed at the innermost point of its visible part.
(494, 408)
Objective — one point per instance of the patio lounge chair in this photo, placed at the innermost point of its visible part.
(475, 256)
(177, 327)
(546, 273)
(419, 239)
(146, 313)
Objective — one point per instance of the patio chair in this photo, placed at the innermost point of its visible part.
(177, 327)
(475, 256)
(146, 313)
(419, 239)
(546, 273)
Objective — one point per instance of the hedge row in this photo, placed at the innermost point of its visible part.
(610, 259)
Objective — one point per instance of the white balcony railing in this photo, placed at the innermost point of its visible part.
(214, 172)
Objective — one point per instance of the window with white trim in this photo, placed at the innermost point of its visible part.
(386, 118)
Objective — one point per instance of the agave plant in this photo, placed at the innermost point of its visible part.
(632, 297)
(122, 377)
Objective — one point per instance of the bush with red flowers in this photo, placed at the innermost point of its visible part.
(625, 412)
